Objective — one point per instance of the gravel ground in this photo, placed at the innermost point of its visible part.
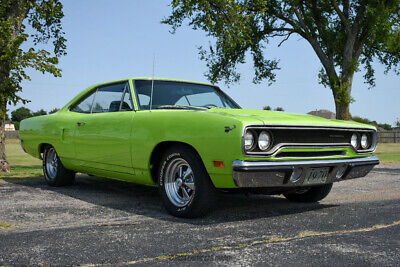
(101, 221)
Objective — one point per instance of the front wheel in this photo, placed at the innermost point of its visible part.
(184, 184)
(312, 194)
(54, 171)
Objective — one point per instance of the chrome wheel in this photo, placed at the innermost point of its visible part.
(51, 163)
(179, 182)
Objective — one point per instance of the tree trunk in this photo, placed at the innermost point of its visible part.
(342, 96)
(4, 165)
(342, 110)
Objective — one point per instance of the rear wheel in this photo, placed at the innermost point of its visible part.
(184, 184)
(55, 173)
(312, 194)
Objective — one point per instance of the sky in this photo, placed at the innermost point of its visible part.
(109, 40)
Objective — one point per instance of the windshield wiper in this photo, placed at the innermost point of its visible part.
(180, 107)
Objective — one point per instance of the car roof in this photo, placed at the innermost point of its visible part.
(151, 78)
(77, 97)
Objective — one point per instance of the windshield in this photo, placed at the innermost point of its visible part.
(171, 94)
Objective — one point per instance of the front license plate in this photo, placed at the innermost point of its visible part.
(316, 176)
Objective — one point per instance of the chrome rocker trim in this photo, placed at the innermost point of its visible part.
(278, 173)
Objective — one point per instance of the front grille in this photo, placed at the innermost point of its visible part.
(312, 154)
(308, 136)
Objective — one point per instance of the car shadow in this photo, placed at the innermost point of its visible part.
(135, 199)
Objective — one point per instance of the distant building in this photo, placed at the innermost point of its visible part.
(323, 113)
(9, 126)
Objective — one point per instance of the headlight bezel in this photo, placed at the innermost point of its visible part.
(371, 141)
(255, 149)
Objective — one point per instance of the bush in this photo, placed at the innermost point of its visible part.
(16, 125)
(20, 114)
(276, 109)
(267, 108)
(361, 120)
(385, 126)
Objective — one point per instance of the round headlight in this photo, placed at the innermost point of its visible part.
(248, 140)
(354, 140)
(364, 141)
(264, 140)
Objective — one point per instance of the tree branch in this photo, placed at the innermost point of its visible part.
(342, 17)
(286, 38)
(299, 17)
(357, 21)
(325, 60)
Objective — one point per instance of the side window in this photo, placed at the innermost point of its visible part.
(85, 105)
(112, 98)
(127, 101)
(144, 101)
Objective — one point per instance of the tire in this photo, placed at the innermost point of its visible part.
(55, 173)
(313, 194)
(184, 193)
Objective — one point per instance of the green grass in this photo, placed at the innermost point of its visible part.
(4, 225)
(388, 152)
(24, 165)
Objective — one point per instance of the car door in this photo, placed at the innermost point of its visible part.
(102, 136)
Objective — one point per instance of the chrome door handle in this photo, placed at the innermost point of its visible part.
(81, 123)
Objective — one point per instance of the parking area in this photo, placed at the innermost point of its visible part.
(101, 221)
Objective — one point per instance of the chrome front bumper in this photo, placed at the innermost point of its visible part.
(278, 173)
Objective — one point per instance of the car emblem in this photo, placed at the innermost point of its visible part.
(228, 129)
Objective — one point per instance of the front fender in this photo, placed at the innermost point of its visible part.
(203, 131)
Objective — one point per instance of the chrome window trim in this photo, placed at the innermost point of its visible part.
(277, 148)
(178, 81)
(94, 89)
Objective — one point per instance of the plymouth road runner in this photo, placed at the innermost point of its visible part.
(190, 139)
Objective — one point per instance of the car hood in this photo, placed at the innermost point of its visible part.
(251, 116)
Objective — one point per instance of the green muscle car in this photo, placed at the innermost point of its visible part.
(191, 140)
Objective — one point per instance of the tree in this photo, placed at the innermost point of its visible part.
(39, 113)
(346, 35)
(397, 123)
(385, 126)
(20, 114)
(43, 17)
(54, 110)
(279, 109)
(267, 108)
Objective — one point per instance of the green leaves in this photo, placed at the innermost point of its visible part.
(346, 35)
(44, 17)
(235, 29)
